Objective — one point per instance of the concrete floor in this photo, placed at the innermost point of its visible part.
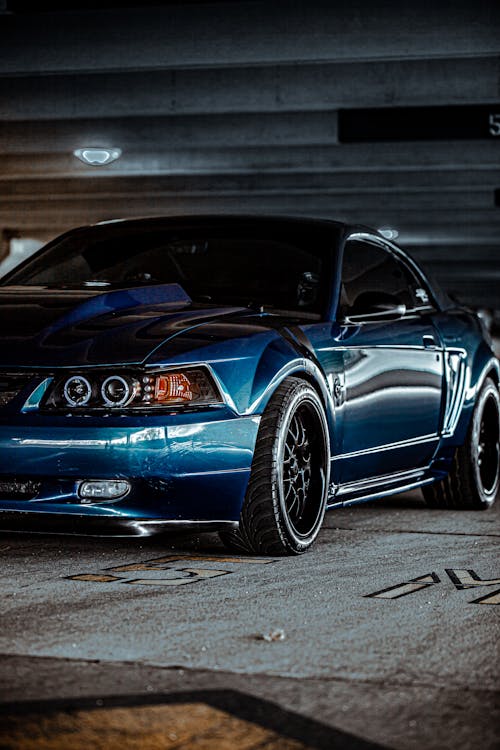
(103, 623)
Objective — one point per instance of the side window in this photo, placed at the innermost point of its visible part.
(368, 268)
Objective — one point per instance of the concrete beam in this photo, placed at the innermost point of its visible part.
(378, 213)
(274, 200)
(138, 133)
(169, 132)
(473, 292)
(395, 157)
(282, 88)
(341, 182)
(472, 270)
(461, 254)
(254, 32)
(315, 205)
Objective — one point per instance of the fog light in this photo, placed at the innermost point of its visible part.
(103, 489)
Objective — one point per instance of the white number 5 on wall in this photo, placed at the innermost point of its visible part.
(494, 122)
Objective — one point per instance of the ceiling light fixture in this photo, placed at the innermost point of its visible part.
(97, 157)
(388, 233)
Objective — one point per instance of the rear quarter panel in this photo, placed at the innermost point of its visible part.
(461, 329)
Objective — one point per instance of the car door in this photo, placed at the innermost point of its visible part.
(392, 365)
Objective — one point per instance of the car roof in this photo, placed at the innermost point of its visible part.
(225, 218)
(339, 227)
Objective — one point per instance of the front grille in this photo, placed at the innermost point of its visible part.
(12, 383)
(13, 488)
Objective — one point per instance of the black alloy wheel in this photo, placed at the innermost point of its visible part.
(488, 445)
(302, 474)
(287, 492)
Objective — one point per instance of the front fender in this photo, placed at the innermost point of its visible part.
(280, 362)
(249, 358)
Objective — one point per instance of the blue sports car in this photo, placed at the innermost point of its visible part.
(238, 374)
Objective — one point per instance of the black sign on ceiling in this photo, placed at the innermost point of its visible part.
(467, 122)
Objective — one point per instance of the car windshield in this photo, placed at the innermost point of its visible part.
(279, 267)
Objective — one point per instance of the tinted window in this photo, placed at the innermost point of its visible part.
(274, 266)
(368, 268)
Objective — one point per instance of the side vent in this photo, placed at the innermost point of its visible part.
(456, 383)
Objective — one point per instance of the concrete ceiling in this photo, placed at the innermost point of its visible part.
(234, 106)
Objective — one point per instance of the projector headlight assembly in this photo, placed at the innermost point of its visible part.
(132, 390)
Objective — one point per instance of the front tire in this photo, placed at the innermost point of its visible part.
(474, 479)
(288, 488)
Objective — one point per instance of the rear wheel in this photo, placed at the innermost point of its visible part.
(288, 487)
(473, 481)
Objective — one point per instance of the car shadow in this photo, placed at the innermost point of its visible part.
(161, 541)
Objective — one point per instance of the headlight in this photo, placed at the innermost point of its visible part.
(77, 391)
(119, 391)
(132, 389)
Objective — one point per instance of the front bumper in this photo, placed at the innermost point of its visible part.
(184, 469)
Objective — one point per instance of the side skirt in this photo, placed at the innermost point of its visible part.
(381, 486)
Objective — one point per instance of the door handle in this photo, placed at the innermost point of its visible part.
(429, 341)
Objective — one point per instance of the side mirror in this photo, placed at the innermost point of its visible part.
(375, 306)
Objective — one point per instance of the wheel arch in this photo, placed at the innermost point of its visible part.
(494, 374)
(485, 365)
(307, 370)
(321, 388)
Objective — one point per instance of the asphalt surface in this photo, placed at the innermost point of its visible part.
(384, 635)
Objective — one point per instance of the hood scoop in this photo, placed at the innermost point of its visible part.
(167, 295)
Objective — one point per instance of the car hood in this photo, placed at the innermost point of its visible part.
(42, 327)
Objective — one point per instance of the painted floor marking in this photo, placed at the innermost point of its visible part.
(493, 598)
(179, 574)
(467, 579)
(93, 578)
(405, 588)
(193, 574)
(461, 578)
(164, 563)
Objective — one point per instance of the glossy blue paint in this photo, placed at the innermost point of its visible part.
(180, 466)
(167, 295)
(54, 327)
(387, 394)
(462, 331)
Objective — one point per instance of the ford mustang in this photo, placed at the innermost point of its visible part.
(236, 374)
